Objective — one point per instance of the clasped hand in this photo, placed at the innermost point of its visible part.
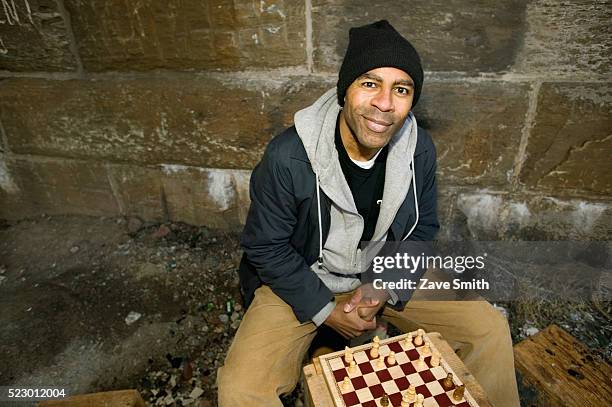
(357, 315)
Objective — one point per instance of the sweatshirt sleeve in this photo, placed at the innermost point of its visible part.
(270, 223)
(322, 315)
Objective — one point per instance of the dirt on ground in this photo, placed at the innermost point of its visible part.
(95, 304)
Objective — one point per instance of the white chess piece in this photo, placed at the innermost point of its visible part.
(408, 340)
(391, 358)
(421, 361)
(426, 349)
(381, 361)
(348, 355)
(435, 359)
(346, 383)
(374, 351)
(410, 394)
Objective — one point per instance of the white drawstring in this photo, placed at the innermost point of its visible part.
(416, 202)
(320, 258)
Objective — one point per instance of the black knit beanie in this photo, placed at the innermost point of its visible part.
(378, 45)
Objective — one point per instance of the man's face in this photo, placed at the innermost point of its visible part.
(376, 106)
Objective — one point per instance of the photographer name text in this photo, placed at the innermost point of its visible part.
(426, 284)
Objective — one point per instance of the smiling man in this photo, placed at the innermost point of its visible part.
(355, 167)
(379, 102)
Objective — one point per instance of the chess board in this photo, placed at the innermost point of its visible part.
(369, 381)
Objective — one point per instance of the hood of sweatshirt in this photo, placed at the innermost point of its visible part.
(316, 127)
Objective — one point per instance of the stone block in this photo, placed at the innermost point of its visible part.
(30, 187)
(213, 197)
(449, 35)
(476, 127)
(34, 36)
(198, 121)
(569, 146)
(481, 215)
(139, 191)
(566, 38)
(8, 185)
(188, 35)
(201, 196)
(198, 196)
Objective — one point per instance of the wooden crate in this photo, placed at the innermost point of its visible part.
(561, 371)
(120, 398)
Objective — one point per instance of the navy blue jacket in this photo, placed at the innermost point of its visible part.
(281, 236)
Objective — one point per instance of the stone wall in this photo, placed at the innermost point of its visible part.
(160, 109)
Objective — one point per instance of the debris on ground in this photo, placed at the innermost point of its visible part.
(132, 317)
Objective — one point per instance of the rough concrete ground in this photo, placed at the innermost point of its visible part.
(68, 283)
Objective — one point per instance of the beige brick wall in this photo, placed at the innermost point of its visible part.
(160, 109)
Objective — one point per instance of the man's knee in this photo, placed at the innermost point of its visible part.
(236, 385)
(223, 374)
(498, 324)
(240, 384)
(488, 322)
(227, 378)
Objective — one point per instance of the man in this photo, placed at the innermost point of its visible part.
(355, 167)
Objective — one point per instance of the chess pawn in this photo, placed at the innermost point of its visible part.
(346, 383)
(391, 358)
(410, 395)
(435, 359)
(348, 355)
(381, 361)
(426, 349)
(418, 341)
(352, 366)
(408, 339)
(419, 400)
(447, 382)
(458, 393)
(421, 361)
(374, 351)
(376, 340)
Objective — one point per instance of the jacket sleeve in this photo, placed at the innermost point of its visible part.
(266, 238)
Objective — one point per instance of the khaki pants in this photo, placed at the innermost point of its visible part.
(265, 358)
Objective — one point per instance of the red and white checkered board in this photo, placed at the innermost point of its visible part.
(369, 382)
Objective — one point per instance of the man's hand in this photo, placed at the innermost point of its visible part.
(348, 324)
(367, 301)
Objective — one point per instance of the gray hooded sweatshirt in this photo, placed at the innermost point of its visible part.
(342, 258)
